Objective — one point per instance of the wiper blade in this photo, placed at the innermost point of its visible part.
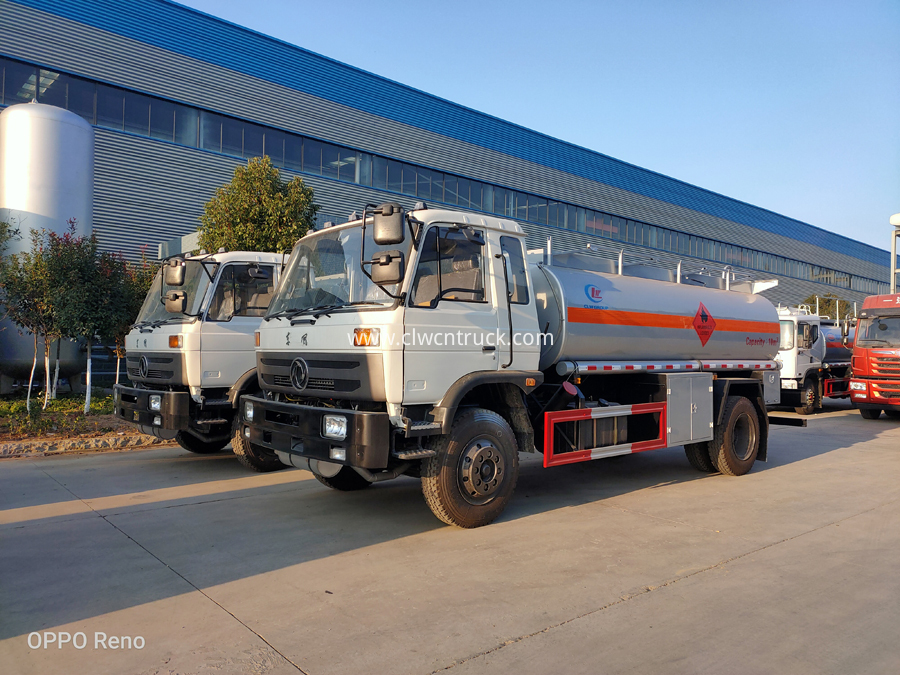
(280, 313)
(325, 310)
(330, 308)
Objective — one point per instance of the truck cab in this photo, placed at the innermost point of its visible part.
(813, 357)
(875, 384)
(191, 352)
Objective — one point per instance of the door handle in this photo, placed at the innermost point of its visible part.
(488, 349)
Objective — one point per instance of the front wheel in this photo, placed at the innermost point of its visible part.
(809, 398)
(197, 445)
(253, 456)
(472, 476)
(870, 413)
(736, 442)
(893, 414)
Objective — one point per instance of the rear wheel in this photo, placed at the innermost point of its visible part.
(809, 398)
(736, 442)
(698, 456)
(195, 444)
(870, 413)
(345, 480)
(253, 456)
(473, 473)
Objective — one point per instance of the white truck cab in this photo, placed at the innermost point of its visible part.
(814, 360)
(190, 353)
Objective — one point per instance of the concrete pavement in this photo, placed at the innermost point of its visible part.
(634, 564)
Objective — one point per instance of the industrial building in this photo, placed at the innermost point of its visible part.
(178, 98)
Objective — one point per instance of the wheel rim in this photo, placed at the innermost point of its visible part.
(481, 471)
(810, 398)
(743, 437)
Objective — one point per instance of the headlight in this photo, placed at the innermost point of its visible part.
(857, 386)
(334, 426)
(155, 402)
(248, 411)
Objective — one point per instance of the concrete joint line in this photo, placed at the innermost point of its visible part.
(649, 589)
(176, 572)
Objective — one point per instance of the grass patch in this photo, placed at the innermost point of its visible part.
(64, 416)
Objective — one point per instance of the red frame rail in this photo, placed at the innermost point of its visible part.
(553, 418)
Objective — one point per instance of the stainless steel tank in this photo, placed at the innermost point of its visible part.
(601, 316)
(46, 178)
(835, 351)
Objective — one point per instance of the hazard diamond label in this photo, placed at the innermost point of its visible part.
(704, 324)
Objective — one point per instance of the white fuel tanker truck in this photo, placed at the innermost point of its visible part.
(429, 344)
(814, 358)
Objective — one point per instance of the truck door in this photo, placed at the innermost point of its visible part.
(239, 302)
(451, 321)
(808, 353)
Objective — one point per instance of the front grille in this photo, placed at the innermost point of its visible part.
(320, 383)
(317, 383)
(333, 375)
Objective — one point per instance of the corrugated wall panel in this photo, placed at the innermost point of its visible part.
(184, 31)
(125, 62)
(149, 192)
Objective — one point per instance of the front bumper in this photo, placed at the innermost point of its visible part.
(133, 405)
(878, 394)
(297, 430)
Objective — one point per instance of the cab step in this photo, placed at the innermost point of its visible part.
(414, 454)
(415, 429)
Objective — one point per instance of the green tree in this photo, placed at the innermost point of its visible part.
(137, 279)
(88, 291)
(829, 305)
(257, 211)
(28, 298)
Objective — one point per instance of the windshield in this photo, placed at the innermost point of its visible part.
(787, 335)
(879, 332)
(196, 281)
(324, 271)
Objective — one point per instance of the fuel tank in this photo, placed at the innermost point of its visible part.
(601, 316)
(835, 351)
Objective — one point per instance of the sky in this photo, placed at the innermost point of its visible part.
(790, 105)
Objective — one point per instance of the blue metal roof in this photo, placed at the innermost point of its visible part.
(206, 38)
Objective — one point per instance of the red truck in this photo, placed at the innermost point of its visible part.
(875, 363)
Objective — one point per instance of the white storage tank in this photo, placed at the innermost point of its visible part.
(46, 179)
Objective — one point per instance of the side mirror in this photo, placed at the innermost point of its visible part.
(388, 225)
(174, 272)
(176, 302)
(388, 268)
(258, 273)
(845, 327)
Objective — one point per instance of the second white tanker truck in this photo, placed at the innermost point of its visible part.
(428, 344)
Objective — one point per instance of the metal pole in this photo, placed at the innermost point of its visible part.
(894, 235)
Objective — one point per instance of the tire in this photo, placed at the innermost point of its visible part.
(698, 456)
(893, 414)
(809, 398)
(253, 456)
(346, 480)
(736, 442)
(473, 474)
(870, 413)
(197, 445)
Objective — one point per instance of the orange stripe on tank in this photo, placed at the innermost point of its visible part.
(614, 317)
